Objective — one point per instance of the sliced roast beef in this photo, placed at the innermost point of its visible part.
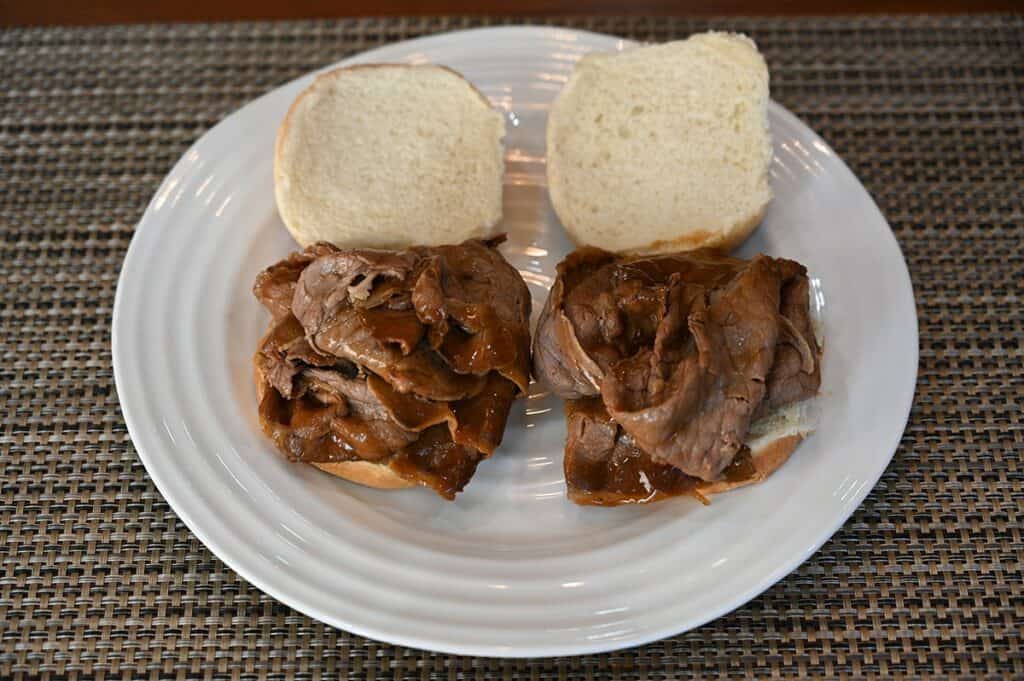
(344, 279)
(478, 310)
(410, 359)
(275, 286)
(605, 467)
(423, 371)
(684, 350)
(435, 460)
(558, 357)
(796, 373)
(284, 352)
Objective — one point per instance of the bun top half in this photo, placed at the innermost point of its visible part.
(388, 156)
(663, 148)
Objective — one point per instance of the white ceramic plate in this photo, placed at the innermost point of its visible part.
(511, 568)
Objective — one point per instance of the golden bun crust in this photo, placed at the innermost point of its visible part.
(766, 459)
(725, 241)
(366, 473)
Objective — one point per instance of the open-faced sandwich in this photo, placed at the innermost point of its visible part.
(684, 371)
(396, 367)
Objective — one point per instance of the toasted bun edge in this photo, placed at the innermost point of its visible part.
(766, 459)
(366, 473)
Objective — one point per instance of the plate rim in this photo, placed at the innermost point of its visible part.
(229, 554)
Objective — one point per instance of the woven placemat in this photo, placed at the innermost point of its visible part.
(99, 579)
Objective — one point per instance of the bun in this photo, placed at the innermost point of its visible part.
(766, 460)
(663, 148)
(366, 473)
(388, 156)
(772, 440)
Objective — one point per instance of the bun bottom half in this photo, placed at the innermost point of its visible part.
(772, 440)
(367, 473)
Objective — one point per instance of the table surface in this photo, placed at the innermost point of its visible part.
(98, 577)
(57, 12)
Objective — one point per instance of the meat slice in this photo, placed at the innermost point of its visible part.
(283, 353)
(558, 357)
(477, 421)
(697, 416)
(301, 427)
(341, 279)
(796, 373)
(478, 309)
(275, 286)
(330, 416)
(422, 371)
(472, 307)
(436, 461)
(400, 329)
(605, 467)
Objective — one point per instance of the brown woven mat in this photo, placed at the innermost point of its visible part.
(99, 579)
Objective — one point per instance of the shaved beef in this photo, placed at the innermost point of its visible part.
(285, 351)
(684, 350)
(605, 467)
(422, 371)
(558, 357)
(275, 286)
(796, 373)
(410, 359)
(436, 461)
